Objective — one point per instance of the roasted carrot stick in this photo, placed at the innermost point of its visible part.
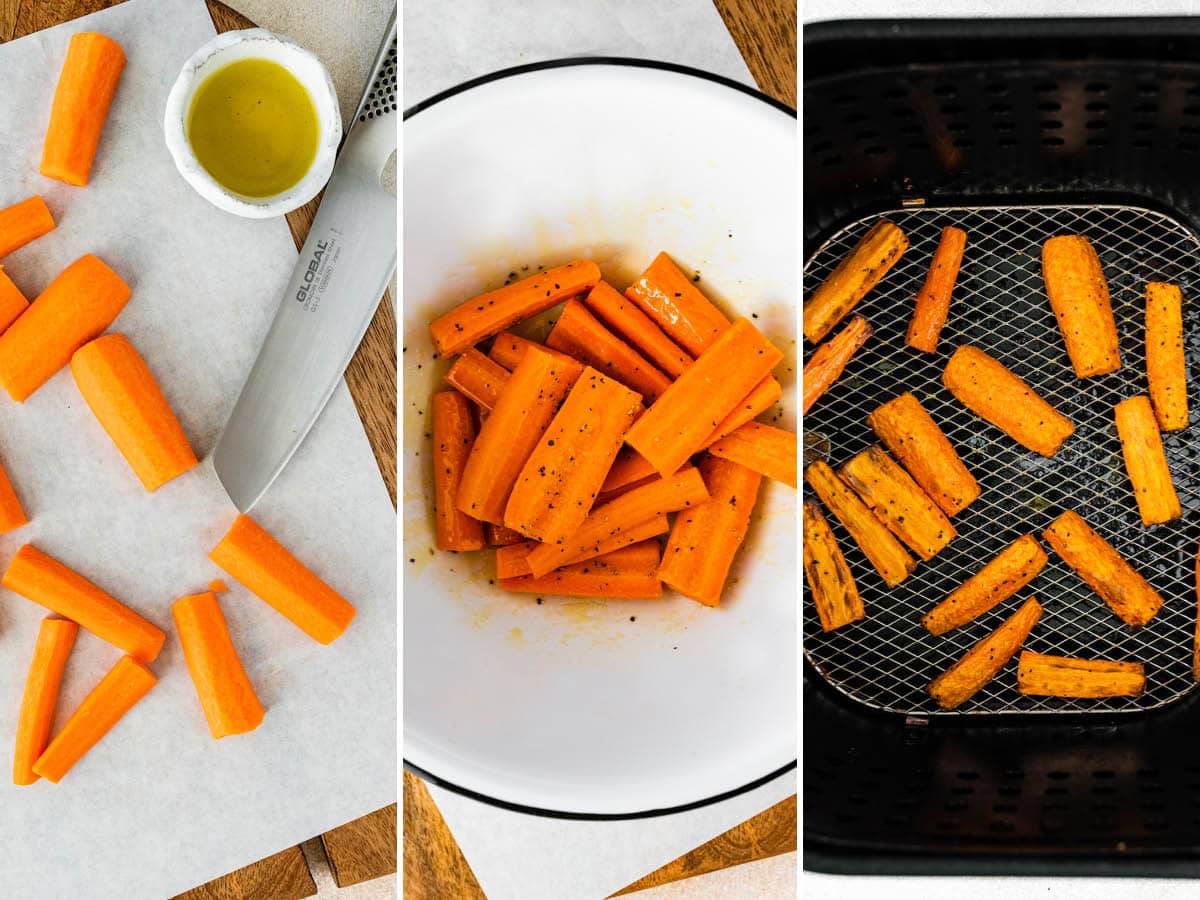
(1079, 297)
(875, 253)
(12, 301)
(86, 86)
(121, 392)
(55, 639)
(984, 660)
(508, 350)
(829, 360)
(761, 398)
(1117, 583)
(477, 377)
(678, 307)
(453, 436)
(1064, 676)
(23, 222)
(1146, 461)
(580, 335)
(911, 434)
(73, 309)
(627, 574)
(894, 497)
(834, 593)
(1166, 368)
(933, 300)
(499, 536)
(767, 450)
(125, 684)
(1009, 571)
(989, 389)
(490, 313)
(222, 686)
(268, 570)
(44, 580)
(627, 319)
(513, 561)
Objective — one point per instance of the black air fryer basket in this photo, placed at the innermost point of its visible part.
(1016, 130)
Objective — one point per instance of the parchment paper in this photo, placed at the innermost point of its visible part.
(159, 806)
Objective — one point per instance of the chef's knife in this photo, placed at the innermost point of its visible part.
(344, 268)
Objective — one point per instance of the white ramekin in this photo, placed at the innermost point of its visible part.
(254, 43)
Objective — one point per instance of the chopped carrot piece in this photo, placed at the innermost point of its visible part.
(1166, 368)
(834, 593)
(513, 561)
(767, 450)
(984, 660)
(86, 86)
(580, 335)
(23, 222)
(1011, 569)
(12, 301)
(677, 306)
(1146, 461)
(626, 574)
(829, 360)
(217, 586)
(453, 437)
(933, 300)
(627, 319)
(628, 468)
(862, 268)
(762, 397)
(509, 349)
(1079, 297)
(12, 515)
(500, 536)
(890, 492)
(55, 639)
(1064, 676)
(477, 377)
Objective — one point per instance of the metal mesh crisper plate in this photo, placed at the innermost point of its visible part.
(999, 304)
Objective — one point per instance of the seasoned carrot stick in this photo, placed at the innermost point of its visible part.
(1009, 571)
(829, 360)
(678, 307)
(580, 335)
(268, 570)
(508, 350)
(911, 434)
(933, 300)
(12, 301)
(627, 319)
(23, 222)
(55, 639)
(559, 482)
(490, 313)
(1146, 461)
(1094, 560)
(1166, 368)
(47, 582)
(878, 544)
(628, 468)
(625, 574)
(477, 377)
(872, 257)
(894, 497)
(513, 561)
(834, 593)
(499, 536)
(1064, 676)
(453, 436)
(222, 686)
(989, 389)
(117, 692)
(761, 398)
(984, 660)
(767, 450)
(1079, 297)
(705, 539)
(85, 90)
(73, 309)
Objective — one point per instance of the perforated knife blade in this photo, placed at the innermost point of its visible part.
(343, 270)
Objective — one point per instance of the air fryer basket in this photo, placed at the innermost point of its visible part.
(1012, 114)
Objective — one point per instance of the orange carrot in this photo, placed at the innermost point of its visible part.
(1065, 676)
(834, 593)
(73, 309)
(12, 516)
(490, 313)
(499, 536)
(985, 659)
(217, 586)
(670, 298)
(1146, 461)
(767, 450)
(55, 639)
(1011, 569)
(513, 561)
(225, 692)
(117, 385)
(12, 301)
(933, 300)
(453, 436)
(44, 580)
(125, 684)
(86, 86)
(1166, 368)
(508, 350)
(761, 398)
(861, 269)
(829, 360)
(1079, 296)
(268, 570)
(580, 335)
(23, 222)
(628, 320)
(478, 378)
(626, 574)
(628, 468)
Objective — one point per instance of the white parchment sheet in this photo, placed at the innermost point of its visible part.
(159, 806)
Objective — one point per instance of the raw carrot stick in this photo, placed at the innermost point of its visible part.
(989, 389)
(872, 257)
(1094, 560)
(681, 420)
(628, 468)
(1009, 571)
(677, 306)
(878, 544)
(23, 222)
(767, 450)
(508, 350)
(125, 684)
(1079, 297)
(1146, 461)
(829, 360)
(490, 313)
(1063, 676)
(761, 398)
(608, 496)
(73, 309)
(933, 300)
(626, 574)
(513, 561)
(911, 434)
(453, 436)
(217, 586)
(627, 319)
(12, 301)
(55, 639)
(86, 86)
(12, 516)
(477, 377)
(984, 660)
(499, 536)
(222, 686)
(1166, 368)
(44, 580)
(834, 593)
(580, 335)
(268, 570)
(118, 387)
(559, 482)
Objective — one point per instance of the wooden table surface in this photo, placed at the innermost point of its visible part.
(434, 866)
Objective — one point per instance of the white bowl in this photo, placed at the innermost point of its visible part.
(254, 43)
